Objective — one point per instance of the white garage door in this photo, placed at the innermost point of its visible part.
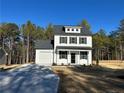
(44, 57)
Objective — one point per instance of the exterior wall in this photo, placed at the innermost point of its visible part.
(49, 56)
(89, 59)
(57, 41)
(78, 61)
(44, 57)
(64, 61)
(70, 31)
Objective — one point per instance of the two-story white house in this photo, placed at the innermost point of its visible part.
(70, 46)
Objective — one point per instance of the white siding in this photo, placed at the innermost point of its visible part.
(79, 61)
(70, 30)
(57, 41)
(44, 57)
(87, 61)
(68, 60)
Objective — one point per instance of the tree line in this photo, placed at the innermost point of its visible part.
(109, 46)
(19, 42)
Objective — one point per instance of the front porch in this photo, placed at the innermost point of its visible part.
(73, 57)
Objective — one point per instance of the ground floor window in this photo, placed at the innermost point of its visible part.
(62, 54)
(83, 55)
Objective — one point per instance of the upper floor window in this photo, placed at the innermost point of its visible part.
(63, 39)
(77, 30)
(72, 29)
(83, 55)
(73, 40)
(62, 54)
(82, 40)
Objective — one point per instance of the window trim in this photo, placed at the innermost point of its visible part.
(62, 54)
(70, 40)
(82, 41)
(83, 55)
(65, 40)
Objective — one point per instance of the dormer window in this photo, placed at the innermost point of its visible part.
(73, 29)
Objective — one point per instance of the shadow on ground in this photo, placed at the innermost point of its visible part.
(93, 79)
(29, 78)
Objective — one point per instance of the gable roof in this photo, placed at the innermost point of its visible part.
(59, 30)
(43, 44)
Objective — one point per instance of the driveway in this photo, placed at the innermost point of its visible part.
(29, 78)
(79, 79)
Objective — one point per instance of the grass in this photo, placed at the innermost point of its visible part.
(96, 79)
(112, 64)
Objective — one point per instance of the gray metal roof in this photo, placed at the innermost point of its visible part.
(43, 44)
(74, 47)
(59, 30)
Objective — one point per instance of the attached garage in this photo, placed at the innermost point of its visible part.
(44, 52)
(44, 57)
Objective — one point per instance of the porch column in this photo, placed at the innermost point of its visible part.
(90, 57)
(69, 57)
(78, 57)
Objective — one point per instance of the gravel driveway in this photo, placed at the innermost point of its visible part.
(29, 78)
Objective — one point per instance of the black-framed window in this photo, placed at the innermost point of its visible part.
(73, 40)
(82, 40)
(63, 40)
(62, 54)
(72, 29)
(83, 55)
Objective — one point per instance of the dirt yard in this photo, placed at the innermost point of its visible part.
(114, 64)
(95, 79)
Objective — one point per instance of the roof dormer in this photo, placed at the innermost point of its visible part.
(72, 29)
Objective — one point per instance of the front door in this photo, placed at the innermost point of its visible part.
(72, 57)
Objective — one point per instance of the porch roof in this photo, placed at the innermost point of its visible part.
(74, 47)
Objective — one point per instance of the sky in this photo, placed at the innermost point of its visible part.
(105, 14)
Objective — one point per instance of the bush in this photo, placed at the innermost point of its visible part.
(54, 64)
(97, 62)
(62, 64)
